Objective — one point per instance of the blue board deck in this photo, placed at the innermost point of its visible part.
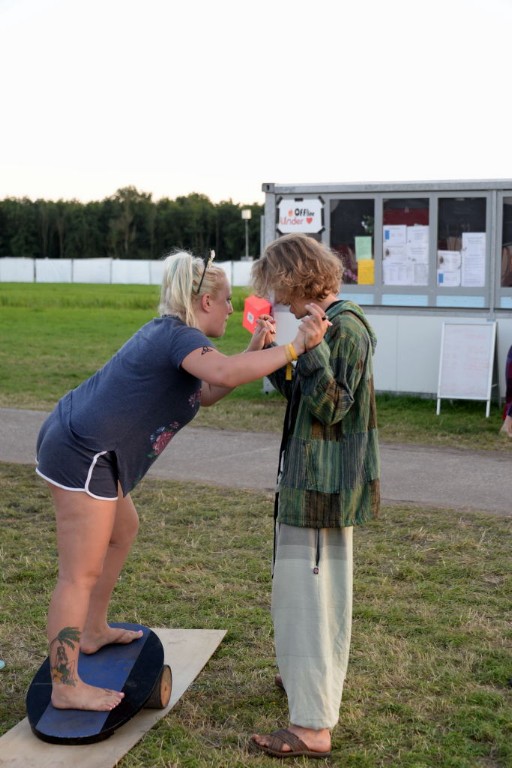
(133, 668)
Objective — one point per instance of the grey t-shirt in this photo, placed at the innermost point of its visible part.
(138, 401)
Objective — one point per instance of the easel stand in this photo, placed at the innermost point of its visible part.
(467, 368)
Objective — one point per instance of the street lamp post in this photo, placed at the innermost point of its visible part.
(246, 215)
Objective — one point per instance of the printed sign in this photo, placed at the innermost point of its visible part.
(300, 215)
(253, 308)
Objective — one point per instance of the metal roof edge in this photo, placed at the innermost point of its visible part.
(386, 186)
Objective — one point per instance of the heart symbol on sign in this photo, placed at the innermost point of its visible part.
(309, 219)
(290, 213)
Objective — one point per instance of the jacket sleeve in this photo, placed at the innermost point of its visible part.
(330, 373)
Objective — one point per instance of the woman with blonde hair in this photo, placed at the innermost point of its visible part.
(103, 436)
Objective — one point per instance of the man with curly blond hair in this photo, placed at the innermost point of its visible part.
(328, 482)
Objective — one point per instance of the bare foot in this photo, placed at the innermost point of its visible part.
(93, 641)
(316, 741)
(83, 696)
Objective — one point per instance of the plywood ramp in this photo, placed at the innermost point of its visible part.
(186, 651)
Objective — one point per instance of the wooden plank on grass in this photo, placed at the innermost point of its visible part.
(186, 651)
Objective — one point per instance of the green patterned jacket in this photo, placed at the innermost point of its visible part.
(330, 465)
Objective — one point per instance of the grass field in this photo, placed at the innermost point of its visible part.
(431, 652)
(53, 336)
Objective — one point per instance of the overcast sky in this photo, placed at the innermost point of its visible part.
(220, 96)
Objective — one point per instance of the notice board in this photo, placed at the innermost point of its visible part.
(466, 366)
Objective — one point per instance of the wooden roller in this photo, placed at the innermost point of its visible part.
(161, 693)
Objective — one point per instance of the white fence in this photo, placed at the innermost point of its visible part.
(119, 271)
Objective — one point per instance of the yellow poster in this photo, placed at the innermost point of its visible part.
(366, 272)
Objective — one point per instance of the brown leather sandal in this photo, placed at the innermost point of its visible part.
(283, 736)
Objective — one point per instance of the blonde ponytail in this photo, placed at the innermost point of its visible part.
(180, 283)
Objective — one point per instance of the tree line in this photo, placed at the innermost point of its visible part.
(128, 225)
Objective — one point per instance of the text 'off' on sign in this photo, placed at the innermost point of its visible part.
(300, 215)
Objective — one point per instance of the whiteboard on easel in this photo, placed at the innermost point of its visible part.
(467, 362)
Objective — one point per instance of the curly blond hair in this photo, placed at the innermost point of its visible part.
(297, 266)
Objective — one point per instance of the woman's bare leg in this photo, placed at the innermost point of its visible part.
(96, 631)
(84, 529)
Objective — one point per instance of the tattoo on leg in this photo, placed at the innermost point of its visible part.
(62, 670)
(205, 350)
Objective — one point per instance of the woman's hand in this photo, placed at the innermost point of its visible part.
(264, 333)
(313, 327)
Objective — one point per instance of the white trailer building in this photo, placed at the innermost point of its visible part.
(417, 256)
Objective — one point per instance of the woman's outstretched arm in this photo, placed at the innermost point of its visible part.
(232, 370)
